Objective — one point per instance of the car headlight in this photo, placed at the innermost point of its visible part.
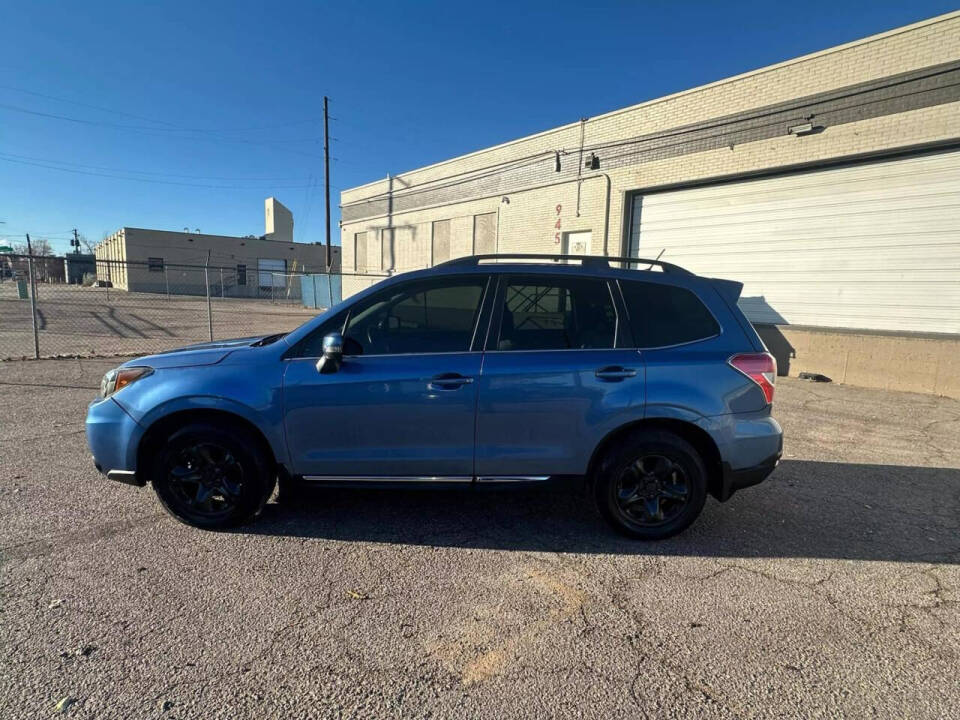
(119, 378)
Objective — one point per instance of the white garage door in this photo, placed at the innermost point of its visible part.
(272, 272)
(872, 246)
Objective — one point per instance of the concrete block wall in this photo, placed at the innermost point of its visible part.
(922, 364)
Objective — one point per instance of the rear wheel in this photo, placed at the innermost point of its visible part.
(211, 477)
(651, 485)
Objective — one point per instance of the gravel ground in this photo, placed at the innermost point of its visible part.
(831, 590)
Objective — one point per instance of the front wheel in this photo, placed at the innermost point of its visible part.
(651, 485)
(211, 477)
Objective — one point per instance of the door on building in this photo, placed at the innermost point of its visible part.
(402, 405)
(271, 274)
(872, 245)
(557, 376)
(577, 243)
(485, 234)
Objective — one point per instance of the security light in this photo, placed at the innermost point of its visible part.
(804, 129)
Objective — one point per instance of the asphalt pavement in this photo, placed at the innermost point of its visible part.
(831, 590)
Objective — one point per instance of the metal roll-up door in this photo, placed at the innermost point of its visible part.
(873, 246)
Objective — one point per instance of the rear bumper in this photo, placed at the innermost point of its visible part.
(750, 446)
(734, 480)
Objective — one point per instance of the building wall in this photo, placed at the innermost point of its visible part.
(887, 92)
(278, 221)
(896, 94)
(184, 254)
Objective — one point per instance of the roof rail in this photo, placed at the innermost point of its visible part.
(585, 260)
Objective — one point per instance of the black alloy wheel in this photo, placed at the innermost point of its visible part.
(652, 491)
(206, 480)
(212, 477)
(651, 484)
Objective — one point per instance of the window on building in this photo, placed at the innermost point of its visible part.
(440, 251)
(664, 315)
(155, 264)
(387, 250)
(360, 252)
(424, 316)
(543, 313)
(241, 274)
(485, 234)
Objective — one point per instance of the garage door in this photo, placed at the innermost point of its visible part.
(873, 246)
(272, 273)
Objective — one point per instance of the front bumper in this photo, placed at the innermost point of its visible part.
(113, 437)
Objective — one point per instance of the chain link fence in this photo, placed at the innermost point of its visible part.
(131, 308)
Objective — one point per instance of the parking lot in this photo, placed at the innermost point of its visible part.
(831, 590)
(98, 322)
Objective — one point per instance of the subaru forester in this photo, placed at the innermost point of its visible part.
(648, 388)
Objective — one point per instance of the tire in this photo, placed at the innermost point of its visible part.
(212, 477)
(651, 485)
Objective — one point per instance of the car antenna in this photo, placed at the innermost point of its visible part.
(662, 251)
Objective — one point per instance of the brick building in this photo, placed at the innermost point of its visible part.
(828, 184)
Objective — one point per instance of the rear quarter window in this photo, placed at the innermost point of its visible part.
(664, 315)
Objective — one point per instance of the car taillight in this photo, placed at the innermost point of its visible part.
(759, 367)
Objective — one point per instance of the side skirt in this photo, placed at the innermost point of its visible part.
(422, 481)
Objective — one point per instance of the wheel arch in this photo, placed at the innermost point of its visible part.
(162, 427)
(699, 438)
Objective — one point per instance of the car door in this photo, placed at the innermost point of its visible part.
(402, 405)
(558, 375)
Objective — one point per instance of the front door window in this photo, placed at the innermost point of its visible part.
(432, 316)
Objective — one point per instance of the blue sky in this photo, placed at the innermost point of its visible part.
(173, 114)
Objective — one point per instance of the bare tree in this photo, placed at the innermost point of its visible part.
(41, 246)
(87, 245)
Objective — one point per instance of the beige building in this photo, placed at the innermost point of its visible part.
(162, 261)
(828, 184)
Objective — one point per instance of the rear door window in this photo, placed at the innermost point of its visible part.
(665, 315)
(556, 313)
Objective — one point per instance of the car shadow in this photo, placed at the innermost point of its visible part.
(806, 509)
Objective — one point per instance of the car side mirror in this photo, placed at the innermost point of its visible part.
(332, 353)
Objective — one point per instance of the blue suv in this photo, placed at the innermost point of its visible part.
(647, 387)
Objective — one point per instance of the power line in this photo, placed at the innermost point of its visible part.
(465, 177)
(173, 127)
(153, 132)
(151, 180)
(145, 172)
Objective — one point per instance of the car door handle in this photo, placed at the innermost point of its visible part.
(449, 381)
(615, 372)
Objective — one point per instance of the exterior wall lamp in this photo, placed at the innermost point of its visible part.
(805, 129)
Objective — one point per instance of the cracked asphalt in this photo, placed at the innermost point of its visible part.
(831, 590)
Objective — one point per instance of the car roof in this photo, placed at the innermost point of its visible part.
(575, 265)
(595, 262)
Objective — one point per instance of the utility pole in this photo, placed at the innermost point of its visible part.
(326, 173)
(206, 282)
(33, 299)
(76, 243)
